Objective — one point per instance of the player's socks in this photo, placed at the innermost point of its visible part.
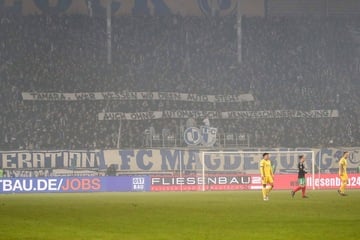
(268, 190)
(342, 188)
(303, 189)
(264, 192)
(297, 189)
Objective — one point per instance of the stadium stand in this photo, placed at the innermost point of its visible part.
(288, 64)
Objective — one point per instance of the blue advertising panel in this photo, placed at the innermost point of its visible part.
(75, 184)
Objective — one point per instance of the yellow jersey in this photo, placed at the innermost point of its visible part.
(265, 168)
(343, 165)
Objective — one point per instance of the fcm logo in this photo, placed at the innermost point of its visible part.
(206, 136)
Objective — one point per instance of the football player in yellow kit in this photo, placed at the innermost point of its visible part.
(267, 176)
(343, 174)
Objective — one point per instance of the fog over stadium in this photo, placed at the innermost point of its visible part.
(238, 110)
(292, 59)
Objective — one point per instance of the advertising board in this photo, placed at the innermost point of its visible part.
(245, 182)
(75, 184)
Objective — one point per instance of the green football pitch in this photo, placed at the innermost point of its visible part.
(187, 215)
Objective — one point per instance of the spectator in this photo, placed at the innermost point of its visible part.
(190, 122)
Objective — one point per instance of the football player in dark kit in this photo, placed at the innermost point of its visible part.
(301, 178)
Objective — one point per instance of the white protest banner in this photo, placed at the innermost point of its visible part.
(281, 114)
(157, 115)
(170, 96)
(129, 116)
(183, 114)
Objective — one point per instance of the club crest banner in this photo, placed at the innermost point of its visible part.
(205, 136)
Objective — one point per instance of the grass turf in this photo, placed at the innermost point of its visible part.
(187, 215)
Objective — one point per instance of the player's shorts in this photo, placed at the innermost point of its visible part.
(344, 177)
(302, 181)
(267, 180)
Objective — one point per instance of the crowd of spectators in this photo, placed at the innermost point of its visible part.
(287, 64)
